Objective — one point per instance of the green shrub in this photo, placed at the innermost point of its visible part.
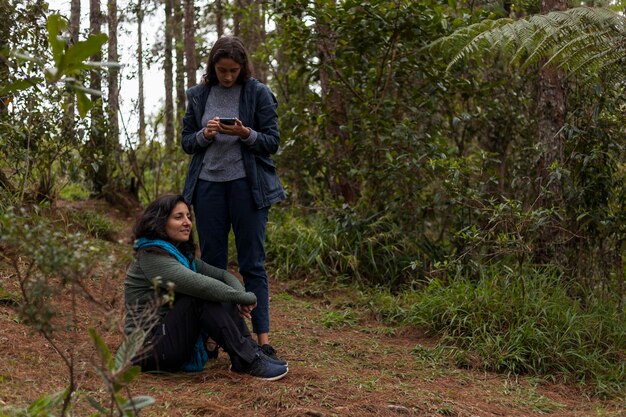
(74, 192)
(297, 244)
(338, 319)
(520, 321)
(50, 264)
(93, 224)
(339, 246)
(526, 323)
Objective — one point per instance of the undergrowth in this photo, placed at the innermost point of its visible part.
(517, 321)
(53, 267)
(339, 246)
(93, 223)
(527, 324)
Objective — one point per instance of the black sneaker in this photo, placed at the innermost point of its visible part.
(268, 371)
(269, 351)
(273, 360)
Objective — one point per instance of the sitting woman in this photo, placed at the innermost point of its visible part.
(207, 301)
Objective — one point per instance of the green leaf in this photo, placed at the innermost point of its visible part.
(84, 49)
(26, 57)
(45, 405)
(138, 402)
(83, 102)
(129, 348)
(86, 90)
(55, 24)
(101, 348)
(127, 377)
(101, 64)
(20, 85)
(96, 404)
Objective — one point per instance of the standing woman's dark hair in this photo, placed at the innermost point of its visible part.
(228, 47)
(151, 223)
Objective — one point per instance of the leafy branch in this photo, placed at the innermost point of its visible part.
(69, 62)
(58, 267)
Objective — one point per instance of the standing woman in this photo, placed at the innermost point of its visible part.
(232, 180)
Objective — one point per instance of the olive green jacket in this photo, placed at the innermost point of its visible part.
(152, 275)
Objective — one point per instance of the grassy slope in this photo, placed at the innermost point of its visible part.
(342, 362)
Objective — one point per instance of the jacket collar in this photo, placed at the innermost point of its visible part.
(202, 95)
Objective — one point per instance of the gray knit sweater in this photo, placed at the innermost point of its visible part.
(151, 274)
(222, 160)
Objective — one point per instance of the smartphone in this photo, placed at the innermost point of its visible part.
(228, 120)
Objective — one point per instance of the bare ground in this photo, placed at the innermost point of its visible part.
(338, 367)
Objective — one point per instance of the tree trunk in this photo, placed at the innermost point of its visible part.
(237, 17)
(98, 152)
(74, 21)
(167, 69)
(551, 111)
(4, 66)
(281, 68)
(180, 61)
(335, 140)
(251, 29)
(4, 100)
(219, 18)
(113, 130)
(69, 113)
(140, 99)
(190, 44)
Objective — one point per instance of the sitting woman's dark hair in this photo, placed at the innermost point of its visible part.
(151, 223)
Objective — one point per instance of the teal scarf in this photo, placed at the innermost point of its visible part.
(199, 356)
(187, 261)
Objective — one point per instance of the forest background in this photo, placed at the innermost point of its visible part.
(461, 162)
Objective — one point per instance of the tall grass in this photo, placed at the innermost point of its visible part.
(527, 324)
(372, 251)
(93, 223)
(519, 321)
(298, 245)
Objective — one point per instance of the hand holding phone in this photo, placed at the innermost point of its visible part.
(231, 126)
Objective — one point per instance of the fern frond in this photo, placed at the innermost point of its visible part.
(605, 63)
(551, 36)
(590, 61)
(598, 16)
(464, 35)
(527, 45)
(577, 45)
(614, 72)
(579, 40)
(467, 42)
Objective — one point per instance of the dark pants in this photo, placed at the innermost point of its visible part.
(217, 206)
(172, 341)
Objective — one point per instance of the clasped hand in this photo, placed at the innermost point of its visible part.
(244, 311)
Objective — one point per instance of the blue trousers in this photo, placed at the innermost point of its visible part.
(218, 206)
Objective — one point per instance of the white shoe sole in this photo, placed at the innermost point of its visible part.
(273, 378)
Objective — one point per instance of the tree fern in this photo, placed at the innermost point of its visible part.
(583, 41)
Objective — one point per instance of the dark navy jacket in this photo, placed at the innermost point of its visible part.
(257, 110)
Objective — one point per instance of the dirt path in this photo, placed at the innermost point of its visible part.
(342, 363)
(338, 367)
(362, 369)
